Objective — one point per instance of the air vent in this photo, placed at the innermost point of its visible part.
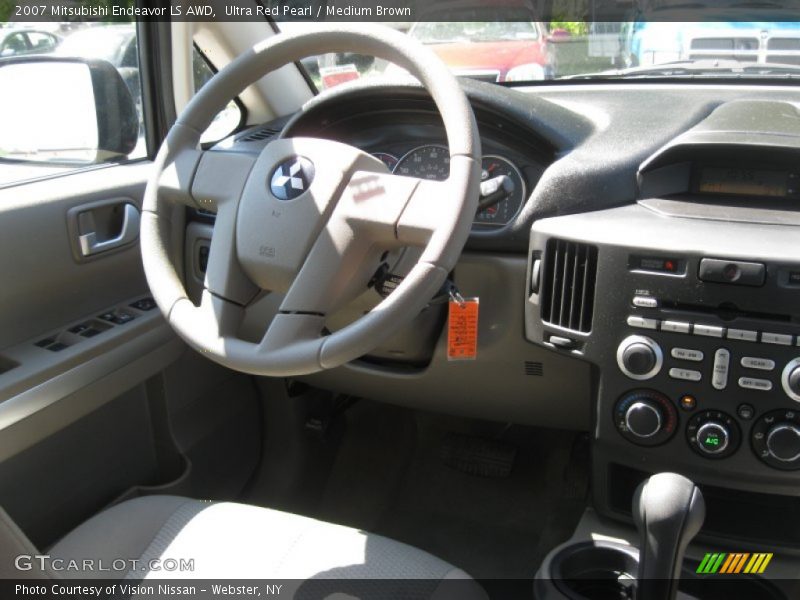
(261, 134)
(568, 285)
(533, 368)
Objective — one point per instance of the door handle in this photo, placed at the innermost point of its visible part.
(90, 245)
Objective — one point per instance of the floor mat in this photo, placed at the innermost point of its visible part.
(389, 478)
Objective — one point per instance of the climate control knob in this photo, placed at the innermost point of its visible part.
(712, 438)
(776, 439)
(645, 417)
(783, 442)
(639, 357)
(713, 434)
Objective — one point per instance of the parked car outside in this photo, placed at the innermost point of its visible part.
(17, 42)
(494, 51)
(651, 43)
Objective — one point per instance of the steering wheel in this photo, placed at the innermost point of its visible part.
(307, 217)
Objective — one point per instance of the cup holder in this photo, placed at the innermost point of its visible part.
(593, 569)
(603, 570)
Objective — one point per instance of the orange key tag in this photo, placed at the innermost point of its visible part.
(462, 329)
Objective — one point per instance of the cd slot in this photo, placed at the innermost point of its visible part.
(726, 312)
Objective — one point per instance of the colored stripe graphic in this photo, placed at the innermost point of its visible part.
(734, 563)
(740, 564)
(701, 568)
(729, 563)
(758, 563)
(711, 562)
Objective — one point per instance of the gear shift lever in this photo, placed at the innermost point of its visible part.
(668, 510)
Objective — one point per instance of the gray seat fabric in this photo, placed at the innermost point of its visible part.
(237, 541)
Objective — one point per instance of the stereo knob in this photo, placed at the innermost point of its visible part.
(643, 419)
(783, 442)
(712, 438)
(791, 379)
(639, 357)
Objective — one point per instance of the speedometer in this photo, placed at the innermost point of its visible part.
(432, 161)
(425, 162)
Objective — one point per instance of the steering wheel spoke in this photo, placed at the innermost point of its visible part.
(303, 331)
(224, 275)
(184, 174)
(175, 183)
(348, 250)
(423, 213)
(209, 327)
(174, 170)
(435, 214)
(220, 179)
(227, 316)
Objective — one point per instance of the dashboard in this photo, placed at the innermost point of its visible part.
(642, 282)
(404, 131)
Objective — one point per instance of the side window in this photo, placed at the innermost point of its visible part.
(14, 44)
(229, 117)
(39, 137)
(41, 42)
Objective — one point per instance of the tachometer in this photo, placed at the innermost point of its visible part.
(505, 210)
(390, 160)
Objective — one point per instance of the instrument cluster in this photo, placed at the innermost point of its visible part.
(432, 161)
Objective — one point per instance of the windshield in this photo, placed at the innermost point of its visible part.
(520, 51)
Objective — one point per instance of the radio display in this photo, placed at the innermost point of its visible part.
(746, 182)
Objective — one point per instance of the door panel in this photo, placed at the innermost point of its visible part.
(99, 400)
(44, 285)
(62, 480)
(77, 427)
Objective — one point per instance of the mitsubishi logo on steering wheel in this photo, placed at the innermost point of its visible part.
(291, 178)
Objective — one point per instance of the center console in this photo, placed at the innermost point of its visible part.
(687, 305)
(693, 326)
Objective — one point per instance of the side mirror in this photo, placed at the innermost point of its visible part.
(65, 110)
